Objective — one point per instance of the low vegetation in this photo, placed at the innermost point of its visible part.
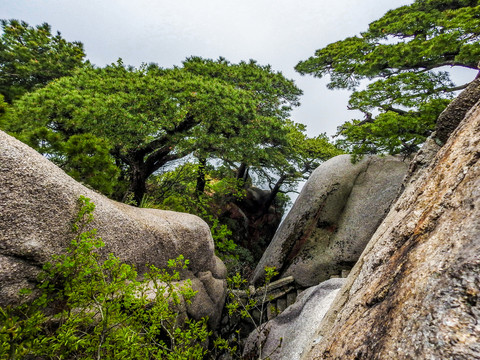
(88, 308)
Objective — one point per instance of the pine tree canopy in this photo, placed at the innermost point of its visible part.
(30, 57)
(405, 56)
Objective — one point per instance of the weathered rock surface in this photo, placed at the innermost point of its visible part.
(449, 119)
(415, 292)
(447, 122)
(333, 218)
(38, 203)
(286, 336)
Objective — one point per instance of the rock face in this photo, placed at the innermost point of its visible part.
(333, 218)
(255, 220)
(415, 292)
(449, 119)
(38, 203)
(286, 336)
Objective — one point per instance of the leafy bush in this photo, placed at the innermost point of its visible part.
(89, 308)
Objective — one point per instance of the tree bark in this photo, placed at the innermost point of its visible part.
(138, 183)
(201, 182)
(273, 194)
(242, 172)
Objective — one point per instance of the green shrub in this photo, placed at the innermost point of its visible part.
(89, 308)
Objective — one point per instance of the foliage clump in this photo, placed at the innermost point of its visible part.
(31, 57)
(145, 118)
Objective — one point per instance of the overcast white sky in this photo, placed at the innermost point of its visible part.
(276, 32)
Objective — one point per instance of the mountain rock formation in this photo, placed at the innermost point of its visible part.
(415, 291)
(38, 203)
(334, 217)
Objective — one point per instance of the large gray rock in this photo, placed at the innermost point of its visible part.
(286, 336)
(415, 292)
(38, 203)
(333, 218)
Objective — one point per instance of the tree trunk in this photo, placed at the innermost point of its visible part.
(242, 172)
(201, 182)
(273, 194)
(138, 183)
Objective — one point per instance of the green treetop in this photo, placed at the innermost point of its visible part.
(274, 148)
(254, 140)
(121, 124)
(143, 119)
(30, 57)
(404, 53)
